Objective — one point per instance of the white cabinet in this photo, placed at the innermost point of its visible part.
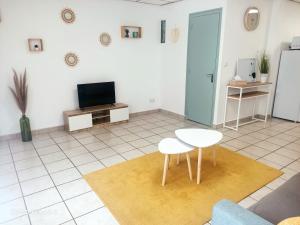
(117, 115)
(80, 122)
(86, 118)
(287, 96)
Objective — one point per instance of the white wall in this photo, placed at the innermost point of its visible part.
(175, 55)
(235, 42)
(135, 65)
(285, 24)
(240, 43)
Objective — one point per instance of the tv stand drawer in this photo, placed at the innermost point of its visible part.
(80, 122)
(117, 115)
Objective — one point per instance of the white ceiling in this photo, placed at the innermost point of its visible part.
(155, 2)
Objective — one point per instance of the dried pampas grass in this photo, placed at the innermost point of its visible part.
(20, 91)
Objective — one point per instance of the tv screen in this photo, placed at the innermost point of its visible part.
(96, 94)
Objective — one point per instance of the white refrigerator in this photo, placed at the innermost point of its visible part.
(287, 95)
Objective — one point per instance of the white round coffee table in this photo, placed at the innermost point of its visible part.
(200, 138)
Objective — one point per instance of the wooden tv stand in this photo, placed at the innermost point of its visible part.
(86, 118)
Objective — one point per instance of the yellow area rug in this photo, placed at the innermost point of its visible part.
(133, 193)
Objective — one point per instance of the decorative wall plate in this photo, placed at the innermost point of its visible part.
(251, 18)
(105, 39)
(175, 33)
(71, 59)
(35, 45)
(68, 15)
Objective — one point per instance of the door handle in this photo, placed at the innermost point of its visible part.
(211, 75)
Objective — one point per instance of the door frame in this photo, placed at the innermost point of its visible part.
(198, 14)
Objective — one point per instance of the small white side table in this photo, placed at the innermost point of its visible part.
(200, 138)
(246, 92)
(172, 146)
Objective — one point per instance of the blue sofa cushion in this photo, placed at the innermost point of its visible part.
(228, 213)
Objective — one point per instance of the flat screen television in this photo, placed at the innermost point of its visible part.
(95, 94)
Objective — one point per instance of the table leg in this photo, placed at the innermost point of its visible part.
(178, 159)
(189, 165)
(199, 165)
(166, 165)
(214, 156)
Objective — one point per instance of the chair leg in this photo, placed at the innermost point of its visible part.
(169, 161)
(189, 165)
(178, 159)
(166, 165)
(214, 156)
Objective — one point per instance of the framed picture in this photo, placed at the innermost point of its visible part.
(35, 45)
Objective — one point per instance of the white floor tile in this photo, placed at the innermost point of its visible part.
(8, 179)
(73, 188)
(261, 193)
(24, 155)
(88, 140)
(48, 150)
(90, 167)
(65, 176)
(149, 149)
(52, 215)
(69, 145)
(279, 159)
(10, 193)
(95, 146)
(104, 153)
(130, 137)
(123, 148)
(276, 183)
(83, 159)
(99, 217)
(132, 154)
(37, 184)
(59, 165)
(110, 161)
(12, 210)
(140, 143)
(247, 202)
(24, 220)
(32, 173)
(42, 199)
(71, 222)
(7, 168)
(83, 204)
(5, 159)
(75, 151)
(28, 163)
(53, 157)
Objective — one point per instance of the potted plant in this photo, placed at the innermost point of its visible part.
(20, 94)
(264, 67)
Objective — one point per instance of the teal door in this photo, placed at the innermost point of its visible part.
(202, 65)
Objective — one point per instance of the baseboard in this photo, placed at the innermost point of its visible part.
(34, 132)
(178, 116)
(132, 115)
(59, 128)
(242, 120)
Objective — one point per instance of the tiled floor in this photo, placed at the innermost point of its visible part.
(41, 182)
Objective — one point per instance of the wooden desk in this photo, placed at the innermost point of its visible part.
(252, 92)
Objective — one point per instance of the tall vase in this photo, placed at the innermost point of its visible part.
(25, 129)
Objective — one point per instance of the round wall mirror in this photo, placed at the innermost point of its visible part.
(71, 59)
(251, 18)
(68, 15)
